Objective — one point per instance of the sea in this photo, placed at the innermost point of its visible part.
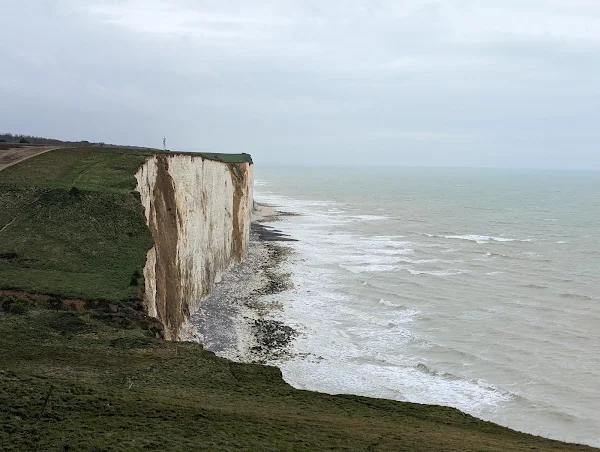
(472, 288)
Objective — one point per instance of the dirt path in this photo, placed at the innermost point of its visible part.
(9, 157)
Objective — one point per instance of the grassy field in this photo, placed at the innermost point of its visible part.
(93, 376)
(228, 158)
(110, 385)
(106, 170)
(71, 225)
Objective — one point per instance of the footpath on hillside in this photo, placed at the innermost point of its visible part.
(12, 154)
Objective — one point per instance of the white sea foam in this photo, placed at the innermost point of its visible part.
(371, 268)
(481, 239)
(389, 304)
(337, 376)
(448, 272)
(370, 309)
(478, 238)
(393, 252)
(299, 205)
(435, 261)
(370, 259)
(369, 217)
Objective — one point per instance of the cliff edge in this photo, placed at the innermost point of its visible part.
(198, 211)
(82, 367)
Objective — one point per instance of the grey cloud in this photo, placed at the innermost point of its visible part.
(417, 83)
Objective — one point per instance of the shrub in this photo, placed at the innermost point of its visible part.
(134, 278)
(74, 191)
(13, 305)
(132, 342)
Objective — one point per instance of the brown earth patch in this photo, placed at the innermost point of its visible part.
(164, 228)
(239, 177)
(113, 313)
(12, 154)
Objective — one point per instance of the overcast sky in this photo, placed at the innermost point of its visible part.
(495, 83)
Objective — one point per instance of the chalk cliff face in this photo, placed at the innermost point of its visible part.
(198, 211)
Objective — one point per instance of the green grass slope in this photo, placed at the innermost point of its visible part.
(109, 170)
(227, 158)
(92, 376)
(72, 225)
(99, 381)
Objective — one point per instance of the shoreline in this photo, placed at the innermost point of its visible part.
(254, 337)
(233, 320)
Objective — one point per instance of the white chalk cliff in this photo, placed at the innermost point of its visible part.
(198, 211)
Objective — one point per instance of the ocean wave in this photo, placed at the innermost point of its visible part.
(416, 267)
(389, 304)
(433, 261)
(505, 395)
(379, 376)
(446, 272)
(423, 368)
(372, 259)
(487, 391)
(535, 286)
(393, 252)
(574, 295)
(477, 238)
(397, 258)
(365, 320)
(490, 254)
(311, 207)
(371, 268)
(378, 245)
(385, 240)
(368, 217)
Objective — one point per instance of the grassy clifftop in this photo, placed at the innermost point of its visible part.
(92, 376)
(71, 225)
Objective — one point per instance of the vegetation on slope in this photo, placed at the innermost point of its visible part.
(98, 380)
(71, 224)
(30, 139)
(227, 158)
(9, 140)
(92, 376)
